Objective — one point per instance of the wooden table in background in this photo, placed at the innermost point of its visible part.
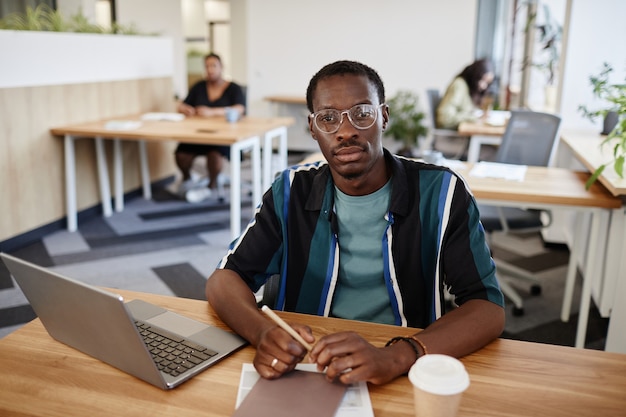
(246, 134)
(547, 188)
(480, 134)
(585, 146)
(42, 377)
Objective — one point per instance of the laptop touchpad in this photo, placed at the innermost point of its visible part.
(184, 326)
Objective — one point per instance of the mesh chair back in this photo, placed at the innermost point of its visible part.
(530, 138)
(448, 141)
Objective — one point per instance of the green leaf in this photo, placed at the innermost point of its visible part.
(594, 176)
(45, 18)
(619, 166)
(614, 94)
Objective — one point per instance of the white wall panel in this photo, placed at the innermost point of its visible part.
(597, 35)
(48, 58)
(412, 44)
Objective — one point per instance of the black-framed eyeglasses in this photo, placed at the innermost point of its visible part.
(361, 116)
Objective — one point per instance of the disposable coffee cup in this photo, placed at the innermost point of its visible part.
(232, 115)
(438, 385)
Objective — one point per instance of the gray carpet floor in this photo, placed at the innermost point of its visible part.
(168, 246)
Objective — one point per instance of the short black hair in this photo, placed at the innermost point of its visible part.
(340, 68)
(213, 55)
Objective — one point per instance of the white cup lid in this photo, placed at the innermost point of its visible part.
(439, 374)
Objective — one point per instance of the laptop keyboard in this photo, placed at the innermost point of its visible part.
(172, 354)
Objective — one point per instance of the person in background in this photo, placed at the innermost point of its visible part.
(207, 98)
(364, 236)
(462, 100)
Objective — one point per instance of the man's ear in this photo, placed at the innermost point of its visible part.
(385, 112)
(311, 130)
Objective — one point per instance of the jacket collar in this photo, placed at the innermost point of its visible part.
(321, 197)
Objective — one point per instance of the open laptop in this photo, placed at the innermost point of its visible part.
(100, 324)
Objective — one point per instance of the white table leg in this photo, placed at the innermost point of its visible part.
(611, 250)
(256, 173)
(267, 160)
(473, 150)
(590, 273)
(616, 336)
(235, 190)
(70, 183)
(145, 170)
(103, 177)
(570, 280)
(282, 148)
(235, 180)
(268, 141)
(118, 173)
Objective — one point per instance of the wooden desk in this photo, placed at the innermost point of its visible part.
(42, 377)
(244, 135)
(480, 133)
(585, 146)
(546, 188)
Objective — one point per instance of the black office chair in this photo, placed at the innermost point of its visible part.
(529, 139)
(269, 292)
(447, 141)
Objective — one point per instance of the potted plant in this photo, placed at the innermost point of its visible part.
(406, 121)
(615, 94)
(43, 18)
(550, 34)
(546, 60)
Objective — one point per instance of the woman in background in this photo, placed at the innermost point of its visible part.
(207, 98)
(464, 95)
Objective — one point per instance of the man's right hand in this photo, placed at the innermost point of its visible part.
(278, 353)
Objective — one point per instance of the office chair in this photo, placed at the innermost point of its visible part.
(447, 141)
(530, 138)
(269, 292)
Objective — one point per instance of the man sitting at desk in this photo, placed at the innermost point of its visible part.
(207, 98)
(366, 236)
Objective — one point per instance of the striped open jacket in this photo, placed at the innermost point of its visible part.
(433, 239)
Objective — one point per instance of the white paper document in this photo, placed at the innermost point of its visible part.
(355, 403)
(168, 117)
(122, 125)
(507, 172)
(498, 117)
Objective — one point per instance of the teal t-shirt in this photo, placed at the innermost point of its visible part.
(361, 293)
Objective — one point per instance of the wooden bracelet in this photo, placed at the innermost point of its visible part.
(421, 344)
